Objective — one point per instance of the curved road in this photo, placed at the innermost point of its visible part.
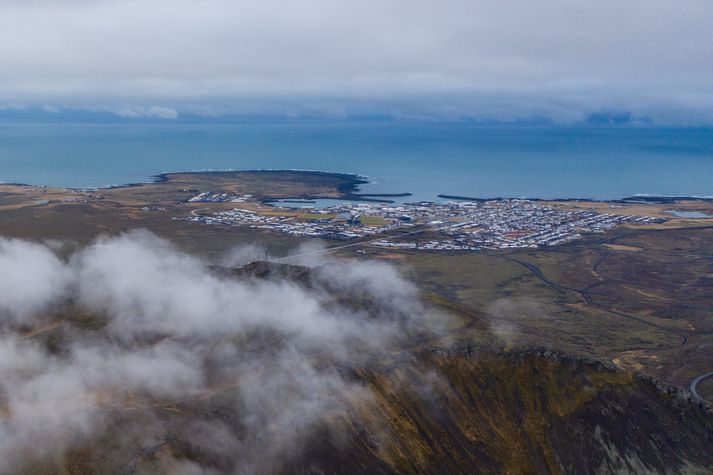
(537, 272)
(694, 387)
(335, 248)
(195, 211)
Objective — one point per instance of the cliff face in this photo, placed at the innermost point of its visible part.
(520, 413)
(409, 410)
(516, 413)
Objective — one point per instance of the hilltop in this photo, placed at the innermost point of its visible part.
(439, 409)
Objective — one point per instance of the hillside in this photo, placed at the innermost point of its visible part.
(517, 413)
(525, 411)
(521, 412)
(427, 410)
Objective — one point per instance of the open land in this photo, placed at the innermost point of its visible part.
(625, 282)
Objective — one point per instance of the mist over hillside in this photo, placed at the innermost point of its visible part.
(129, 356)
(143, 324)
(379, 237)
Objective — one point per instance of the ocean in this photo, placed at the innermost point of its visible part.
(423, 158)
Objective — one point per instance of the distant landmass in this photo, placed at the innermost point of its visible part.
(602, 162)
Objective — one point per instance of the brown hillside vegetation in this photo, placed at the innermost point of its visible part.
(520, 412)
(517, 413)
(420, 403)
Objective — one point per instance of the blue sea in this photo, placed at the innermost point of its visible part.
(423, 158)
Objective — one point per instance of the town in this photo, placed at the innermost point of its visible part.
(428, 226)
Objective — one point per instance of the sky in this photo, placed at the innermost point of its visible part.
(482, 59)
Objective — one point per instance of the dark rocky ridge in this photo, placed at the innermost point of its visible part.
(522, 411)
(517, 413)
(444, 409)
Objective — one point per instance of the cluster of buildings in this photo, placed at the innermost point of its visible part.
(333, 225)
(449, 225)
(504, 224)
(509, 224)
(211, 197)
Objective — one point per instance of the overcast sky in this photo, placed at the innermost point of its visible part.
(452, 58)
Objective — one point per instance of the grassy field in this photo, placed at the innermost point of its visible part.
(373, 220)
(639, 298)
(260, 184)
(642, 298)
(649, 310)
(314, 216)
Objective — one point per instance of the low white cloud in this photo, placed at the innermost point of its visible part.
(140, 111)
(240, 255)
(32, 280)
(139, 330)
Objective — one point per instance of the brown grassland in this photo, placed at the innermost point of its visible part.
(640, 296)
(637, 298)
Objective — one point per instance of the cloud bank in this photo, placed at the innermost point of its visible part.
(458, 58)
(131, 341)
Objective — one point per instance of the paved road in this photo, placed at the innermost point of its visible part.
(537, 272)
(694, 387)
(354, 244)
(195, 211)
(540, 275)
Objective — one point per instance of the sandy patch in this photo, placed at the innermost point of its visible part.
(622, 247)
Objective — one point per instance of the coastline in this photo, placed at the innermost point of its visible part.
(349, 190)
(640, 199)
